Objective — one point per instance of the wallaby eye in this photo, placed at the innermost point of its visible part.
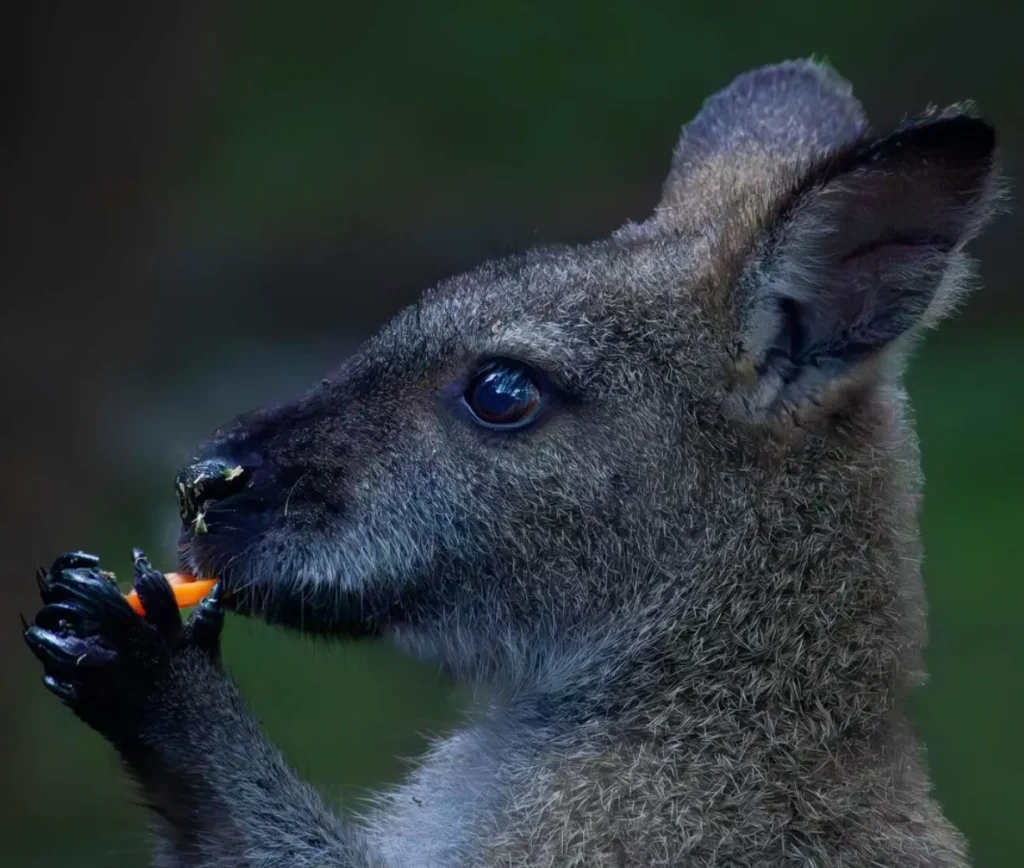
(504, 395)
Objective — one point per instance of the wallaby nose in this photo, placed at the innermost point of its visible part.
(204, 481)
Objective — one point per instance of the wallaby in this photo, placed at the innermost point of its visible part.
(655, 496)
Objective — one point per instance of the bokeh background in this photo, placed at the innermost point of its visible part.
(208, 204)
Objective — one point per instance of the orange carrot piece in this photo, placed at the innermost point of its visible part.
(188, 591)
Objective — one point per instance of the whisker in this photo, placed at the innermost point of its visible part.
(291, 491)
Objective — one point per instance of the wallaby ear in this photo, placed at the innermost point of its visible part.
(786, 115)
(866, 251)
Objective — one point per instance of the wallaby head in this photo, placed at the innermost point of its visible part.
(678, 455)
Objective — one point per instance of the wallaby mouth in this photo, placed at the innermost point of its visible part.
(271, 564)
(263, 580)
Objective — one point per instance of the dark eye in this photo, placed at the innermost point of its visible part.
(504, 395)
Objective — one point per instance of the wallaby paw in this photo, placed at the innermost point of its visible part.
(108, 664)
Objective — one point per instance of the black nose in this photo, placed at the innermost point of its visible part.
(204, 481)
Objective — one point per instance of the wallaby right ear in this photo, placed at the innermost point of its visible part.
(867, 250)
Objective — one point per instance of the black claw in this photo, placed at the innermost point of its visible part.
(45, 578)
(66, 618)
(71, 560)
(156, 596)
(68, 654)
(84, 598)
(24, 623)
(209, 611)
(62, 689)
(88, 589)
(207, 622)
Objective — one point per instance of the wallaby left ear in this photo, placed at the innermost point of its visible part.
(865, 252)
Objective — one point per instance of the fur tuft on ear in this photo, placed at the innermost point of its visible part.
(865, 252)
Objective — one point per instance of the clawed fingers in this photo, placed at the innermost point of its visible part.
(156, 597)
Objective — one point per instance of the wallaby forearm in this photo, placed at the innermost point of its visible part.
(224, 793)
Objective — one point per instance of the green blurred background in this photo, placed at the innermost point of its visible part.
(208, 204)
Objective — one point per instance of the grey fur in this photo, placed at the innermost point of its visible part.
(691, 593)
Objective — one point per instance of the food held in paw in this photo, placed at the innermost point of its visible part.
(188, 591)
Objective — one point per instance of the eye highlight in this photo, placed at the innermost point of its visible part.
(504, 395)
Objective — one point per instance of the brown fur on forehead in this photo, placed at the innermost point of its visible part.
(568, 305)
(663, 298)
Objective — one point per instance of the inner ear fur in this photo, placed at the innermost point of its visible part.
(865, 251)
